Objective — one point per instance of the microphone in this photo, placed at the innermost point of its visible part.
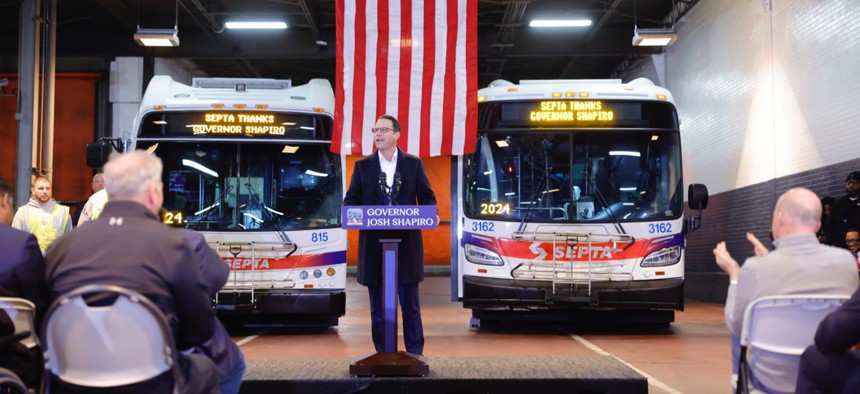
(383, 184)
(395, 187)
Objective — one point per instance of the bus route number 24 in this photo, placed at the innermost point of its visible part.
(659, 228)
(483, 226)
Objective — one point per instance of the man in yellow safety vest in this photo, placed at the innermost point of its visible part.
(42, 216)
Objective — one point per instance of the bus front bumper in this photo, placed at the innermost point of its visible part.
(480, 293)
(306, 303)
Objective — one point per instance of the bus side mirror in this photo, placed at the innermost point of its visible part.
(697, 195)
(97, 154)
(697, 199)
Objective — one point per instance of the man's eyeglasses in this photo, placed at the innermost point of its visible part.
(851, 241)
(383, 130)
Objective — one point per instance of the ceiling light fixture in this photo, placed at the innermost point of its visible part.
(158, 37)
(256, 25)
(560, 23)
(653, 37)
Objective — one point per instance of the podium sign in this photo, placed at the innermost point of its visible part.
(389, 217)
(388, 220)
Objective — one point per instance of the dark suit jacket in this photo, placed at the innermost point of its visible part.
(220, 348)
(136, 251)
(22, 267)
(364, 190)
(22, 274)
(840, 330)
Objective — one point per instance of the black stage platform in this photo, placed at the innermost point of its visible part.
(521, 375)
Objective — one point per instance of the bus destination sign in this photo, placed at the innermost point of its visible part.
(239, 123)
(559, 111)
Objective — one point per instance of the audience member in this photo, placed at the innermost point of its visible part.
(132, 249)
(22, 274)
(826, 207)
(93, 207)
(832, 364)
(798, 265)
(220, 348)
(852, 242)
(42, 216)
(845, 212)
(97, 185)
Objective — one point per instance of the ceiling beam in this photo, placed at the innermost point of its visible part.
(120, 12)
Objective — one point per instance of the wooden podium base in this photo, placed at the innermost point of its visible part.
(390, 364)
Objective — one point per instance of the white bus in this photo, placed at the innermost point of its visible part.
(572, 203)
(247, 163)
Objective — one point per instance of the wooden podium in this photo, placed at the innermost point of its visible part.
(389, 221)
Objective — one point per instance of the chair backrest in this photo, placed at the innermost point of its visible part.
(11, 383)
(22, 312)
(107, 336)
(777, 330)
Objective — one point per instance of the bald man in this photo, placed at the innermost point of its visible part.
(798, 265)
(133, 249)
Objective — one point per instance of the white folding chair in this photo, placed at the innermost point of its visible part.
(775, 333)
(22, 312)
(11, 383)
(103, 336)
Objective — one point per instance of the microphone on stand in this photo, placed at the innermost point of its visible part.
(383, 187)
(395, 187)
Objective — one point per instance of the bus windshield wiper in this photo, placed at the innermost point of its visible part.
(540, 184)
(265, 210)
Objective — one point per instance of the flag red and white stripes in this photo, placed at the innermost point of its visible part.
(413, 59)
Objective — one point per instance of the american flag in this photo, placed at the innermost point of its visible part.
(413, 59)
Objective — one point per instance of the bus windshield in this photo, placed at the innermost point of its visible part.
(236, 186)
(574, 176)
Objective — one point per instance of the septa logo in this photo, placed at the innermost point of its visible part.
(247, 264)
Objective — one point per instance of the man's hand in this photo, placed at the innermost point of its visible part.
(758, 247)
(725, 261)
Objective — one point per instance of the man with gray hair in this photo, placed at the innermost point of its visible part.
(798, 265)
(131, 248)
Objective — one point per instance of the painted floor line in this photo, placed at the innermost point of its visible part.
(249, 338)
(651, 380)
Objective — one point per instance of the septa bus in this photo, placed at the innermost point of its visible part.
(572, 203)
(247, 163)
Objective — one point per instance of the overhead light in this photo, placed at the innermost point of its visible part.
(322, 43)
(157, 37)
(560, 23)
(316, 173)
(256, 25)
(624, 153)
(199, 167)
(290, 149)
(653, 37)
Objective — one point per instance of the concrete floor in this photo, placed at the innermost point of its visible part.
(691, 356)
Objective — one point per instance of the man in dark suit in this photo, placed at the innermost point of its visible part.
(22, 274)
(364, 189)
(832, 364)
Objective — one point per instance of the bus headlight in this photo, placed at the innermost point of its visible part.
(303, 275)
(662, 257)
(317, 273)
(479, 255)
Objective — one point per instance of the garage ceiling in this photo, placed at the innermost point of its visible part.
(92, 32)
